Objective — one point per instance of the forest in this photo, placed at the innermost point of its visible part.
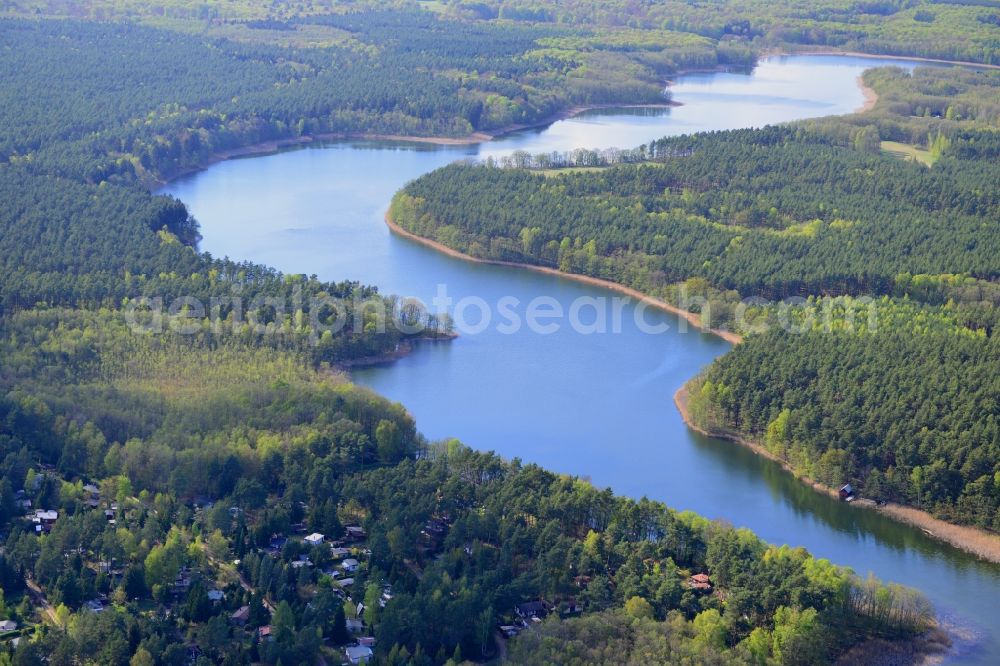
(776, 212)
(172, 484)
(220, 493)
(119, 102)
(880, 370)
(948, 29)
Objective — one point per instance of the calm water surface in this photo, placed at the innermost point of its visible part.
(596, 405)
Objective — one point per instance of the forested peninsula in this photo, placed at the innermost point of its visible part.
(213, 490)
(881, 372)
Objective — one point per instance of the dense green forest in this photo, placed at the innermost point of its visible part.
(177, 471)
(899, 396)
(902, 401)
(157, 490)
(99, 101)
(812, 208)
(950, 29)
(772, 212)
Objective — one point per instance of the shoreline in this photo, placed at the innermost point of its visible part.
(689, 318)
(403, 349)
(871, 97)
(278, 145)
(878, 56)
(970, 540)
(955, 535)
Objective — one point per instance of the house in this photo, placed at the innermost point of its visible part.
(240, 617)
(847, 492)
(355, 533)
(700, 581)
(509, 631)
(347, 582)
(94, 606)
(181, 584)
(350, 565)
(532, 609)
(367, 641)
(354, 626)
(91, 489)
(314, 539)
(359, 654)
(216, 595)
(302, 562)
(46, 517)
(339, 553)
(7, 625)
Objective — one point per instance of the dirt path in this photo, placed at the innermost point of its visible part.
(41, 603)
(244, 583)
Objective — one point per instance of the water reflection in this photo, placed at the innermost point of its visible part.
(598, 406)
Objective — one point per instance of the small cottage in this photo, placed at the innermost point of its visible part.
(240, 617)
(700, 581)
(359, 654)
(531, 609)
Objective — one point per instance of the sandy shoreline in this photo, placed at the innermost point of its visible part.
(871, 97)
(974, 541)
(687, 318)
(267, 147)
(277, 145)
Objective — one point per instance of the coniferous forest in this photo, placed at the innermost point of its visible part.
(221, 493)
(896, 392)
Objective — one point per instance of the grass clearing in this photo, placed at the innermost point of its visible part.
(907, 152)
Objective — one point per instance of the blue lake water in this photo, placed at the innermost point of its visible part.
(597, 405)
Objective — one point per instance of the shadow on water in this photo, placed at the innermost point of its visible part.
(858, 522)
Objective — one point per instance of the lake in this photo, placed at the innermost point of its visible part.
(577, 399)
